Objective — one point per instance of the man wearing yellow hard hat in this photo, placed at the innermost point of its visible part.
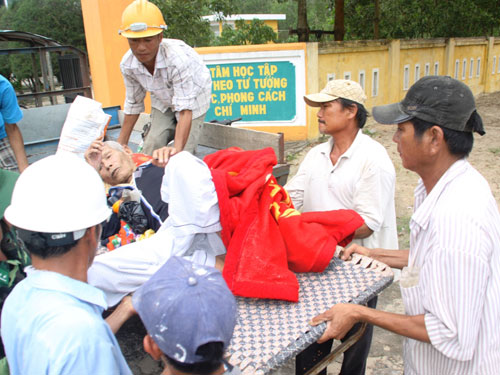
(174, 74)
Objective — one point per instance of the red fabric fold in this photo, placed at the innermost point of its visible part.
(265, 237)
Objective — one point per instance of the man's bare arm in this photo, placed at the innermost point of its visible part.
(17, 144)
(219, 262)
(127, 127)
(123, 312)
(341, 317)
(182, 129)
(393, 258)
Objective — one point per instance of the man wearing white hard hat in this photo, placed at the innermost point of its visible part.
(349, 171)
(52, 320)
(179, 82)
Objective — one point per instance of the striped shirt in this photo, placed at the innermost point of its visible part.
(180, 80)
(455, 242)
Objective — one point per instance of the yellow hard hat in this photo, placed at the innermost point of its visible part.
(142, 19)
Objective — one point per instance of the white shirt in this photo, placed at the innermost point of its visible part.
(455, 243)
(180, 80)
(363, 179)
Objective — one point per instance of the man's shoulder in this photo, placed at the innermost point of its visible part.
(174, 44)
(373, 152)
(470, 188)
(6, 88)
(127, 60)
(4, 83)
(176, 52)
(52, 313)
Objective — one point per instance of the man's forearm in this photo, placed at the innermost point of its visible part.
(393, 258)
(123, 312)
(127, 127)
(182, 129)
(17, 144)
(404, 325)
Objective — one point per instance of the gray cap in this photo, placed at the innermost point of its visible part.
(184, 306)
(440, 100)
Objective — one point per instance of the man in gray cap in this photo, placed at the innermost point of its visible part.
(450, 282)
(350, 171)
(189, 314)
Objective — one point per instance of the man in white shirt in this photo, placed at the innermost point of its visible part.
(179, 82)
(350, 171)
(451, 281)
(52, 320)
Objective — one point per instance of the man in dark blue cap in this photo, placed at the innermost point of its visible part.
(189, 313)
(450, 281)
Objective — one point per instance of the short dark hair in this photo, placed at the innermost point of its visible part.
(459, 143)
(361, 114)
(36, 244)
(212, 359)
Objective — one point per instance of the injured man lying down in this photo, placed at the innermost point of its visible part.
(226, 211)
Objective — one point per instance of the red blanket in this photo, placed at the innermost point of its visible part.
(265, 237)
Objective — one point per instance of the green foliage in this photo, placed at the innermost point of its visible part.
(399, 18)
(184, 20)
(423, 18)
(255, 32)
(60, 20)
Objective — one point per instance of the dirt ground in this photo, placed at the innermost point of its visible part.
(386, 352)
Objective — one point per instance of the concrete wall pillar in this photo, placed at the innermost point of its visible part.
(486, 77)
(312, 86)
(449, 58)
(394, 70)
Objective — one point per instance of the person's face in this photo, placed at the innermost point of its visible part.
(145, 49)
(116, 166)
(410, 148)
(332, 117)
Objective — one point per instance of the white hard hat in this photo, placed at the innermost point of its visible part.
(58, 194)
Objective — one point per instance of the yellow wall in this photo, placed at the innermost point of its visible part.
(495, 76)
(102, 20)
(391, 58)
(105, 48)
(468, 52)
(411, 57)
(342, 61)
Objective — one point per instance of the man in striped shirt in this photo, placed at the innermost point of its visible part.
(179, 82)
(450, 282)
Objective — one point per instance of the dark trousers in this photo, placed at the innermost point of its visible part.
(355, 357)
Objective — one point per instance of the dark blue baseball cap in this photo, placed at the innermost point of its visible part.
(184, 306)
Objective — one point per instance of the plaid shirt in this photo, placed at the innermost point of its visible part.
(180, 80)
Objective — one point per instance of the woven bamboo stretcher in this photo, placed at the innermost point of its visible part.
(269, 333)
